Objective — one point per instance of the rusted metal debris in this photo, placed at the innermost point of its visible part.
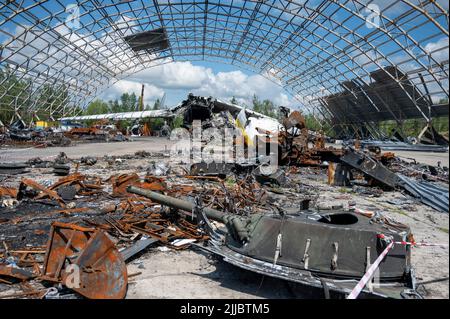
(90, 253)
(137, 222)
(339, 174)
(44, 190)
(121, 182)
(378, 174)
(98, 131)
(143, 222)
(370, 166)
(85, 186)
(8, 191)
(261, 236)
(89, 248)
(14, 272)
(20, 135)
(294, 143)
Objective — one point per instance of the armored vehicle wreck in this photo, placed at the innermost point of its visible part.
(323, 249)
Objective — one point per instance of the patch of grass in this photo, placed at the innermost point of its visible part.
(445, 230)
(389, 208)
(399, 211)
(345, 190)
(230, 181)
(276, 189)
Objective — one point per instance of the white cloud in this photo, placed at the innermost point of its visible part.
(151, 92)
(179, 75)
(89, 54)
(184, 77)
(438, 49)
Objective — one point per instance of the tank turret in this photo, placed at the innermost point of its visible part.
(337, 244)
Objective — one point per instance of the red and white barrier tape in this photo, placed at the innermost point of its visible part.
(382, 236)
(368, 275)
(420, 244)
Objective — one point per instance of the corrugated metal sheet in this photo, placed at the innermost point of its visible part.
(428, 193)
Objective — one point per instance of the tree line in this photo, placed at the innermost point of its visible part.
(21, 94)
(126, 103)
(50, 100)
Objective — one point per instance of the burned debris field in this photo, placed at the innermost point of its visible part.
(134, 219)
(224, 150)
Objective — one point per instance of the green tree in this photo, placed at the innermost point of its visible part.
(114, 106)
(441, 124)
(265, 107)
(177, 122)
(14, 94)
(157, 105)
(233, 100)
(129, 102)
(312, 123)
(256, 104)
(97, 107)
(51, 100)
(156, 123)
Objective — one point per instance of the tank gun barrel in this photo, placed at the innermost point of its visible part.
(233, 223)
(176, 203)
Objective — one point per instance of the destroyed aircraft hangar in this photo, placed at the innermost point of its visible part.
(313, 48)
(350, 64)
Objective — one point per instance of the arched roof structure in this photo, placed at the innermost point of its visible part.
(310, 47)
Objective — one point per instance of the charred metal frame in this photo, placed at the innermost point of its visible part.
(308, 47)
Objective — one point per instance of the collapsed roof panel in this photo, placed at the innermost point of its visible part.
(392, 96)
(154, 40)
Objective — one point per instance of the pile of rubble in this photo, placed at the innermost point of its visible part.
(97, 132)
(47, 215)
(297, 147)
(18, 134)
(90, 223)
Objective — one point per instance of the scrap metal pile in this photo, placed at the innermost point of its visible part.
(98, 131)
(297, 147)
(19, 134)
(49, 218)
(49, 230)
(73, 236)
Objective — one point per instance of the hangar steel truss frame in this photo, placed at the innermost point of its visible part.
(309, 47)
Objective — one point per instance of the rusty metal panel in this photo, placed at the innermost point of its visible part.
(102, 270)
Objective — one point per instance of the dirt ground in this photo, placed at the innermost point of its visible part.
(154, 144)
(429, 158)
(149, 144)
(195, 274)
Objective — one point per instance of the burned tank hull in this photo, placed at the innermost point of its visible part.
(337, 244)
(322, 252)
(325, 287)
(329, 249)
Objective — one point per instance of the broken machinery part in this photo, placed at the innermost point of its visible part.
(85, 260)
